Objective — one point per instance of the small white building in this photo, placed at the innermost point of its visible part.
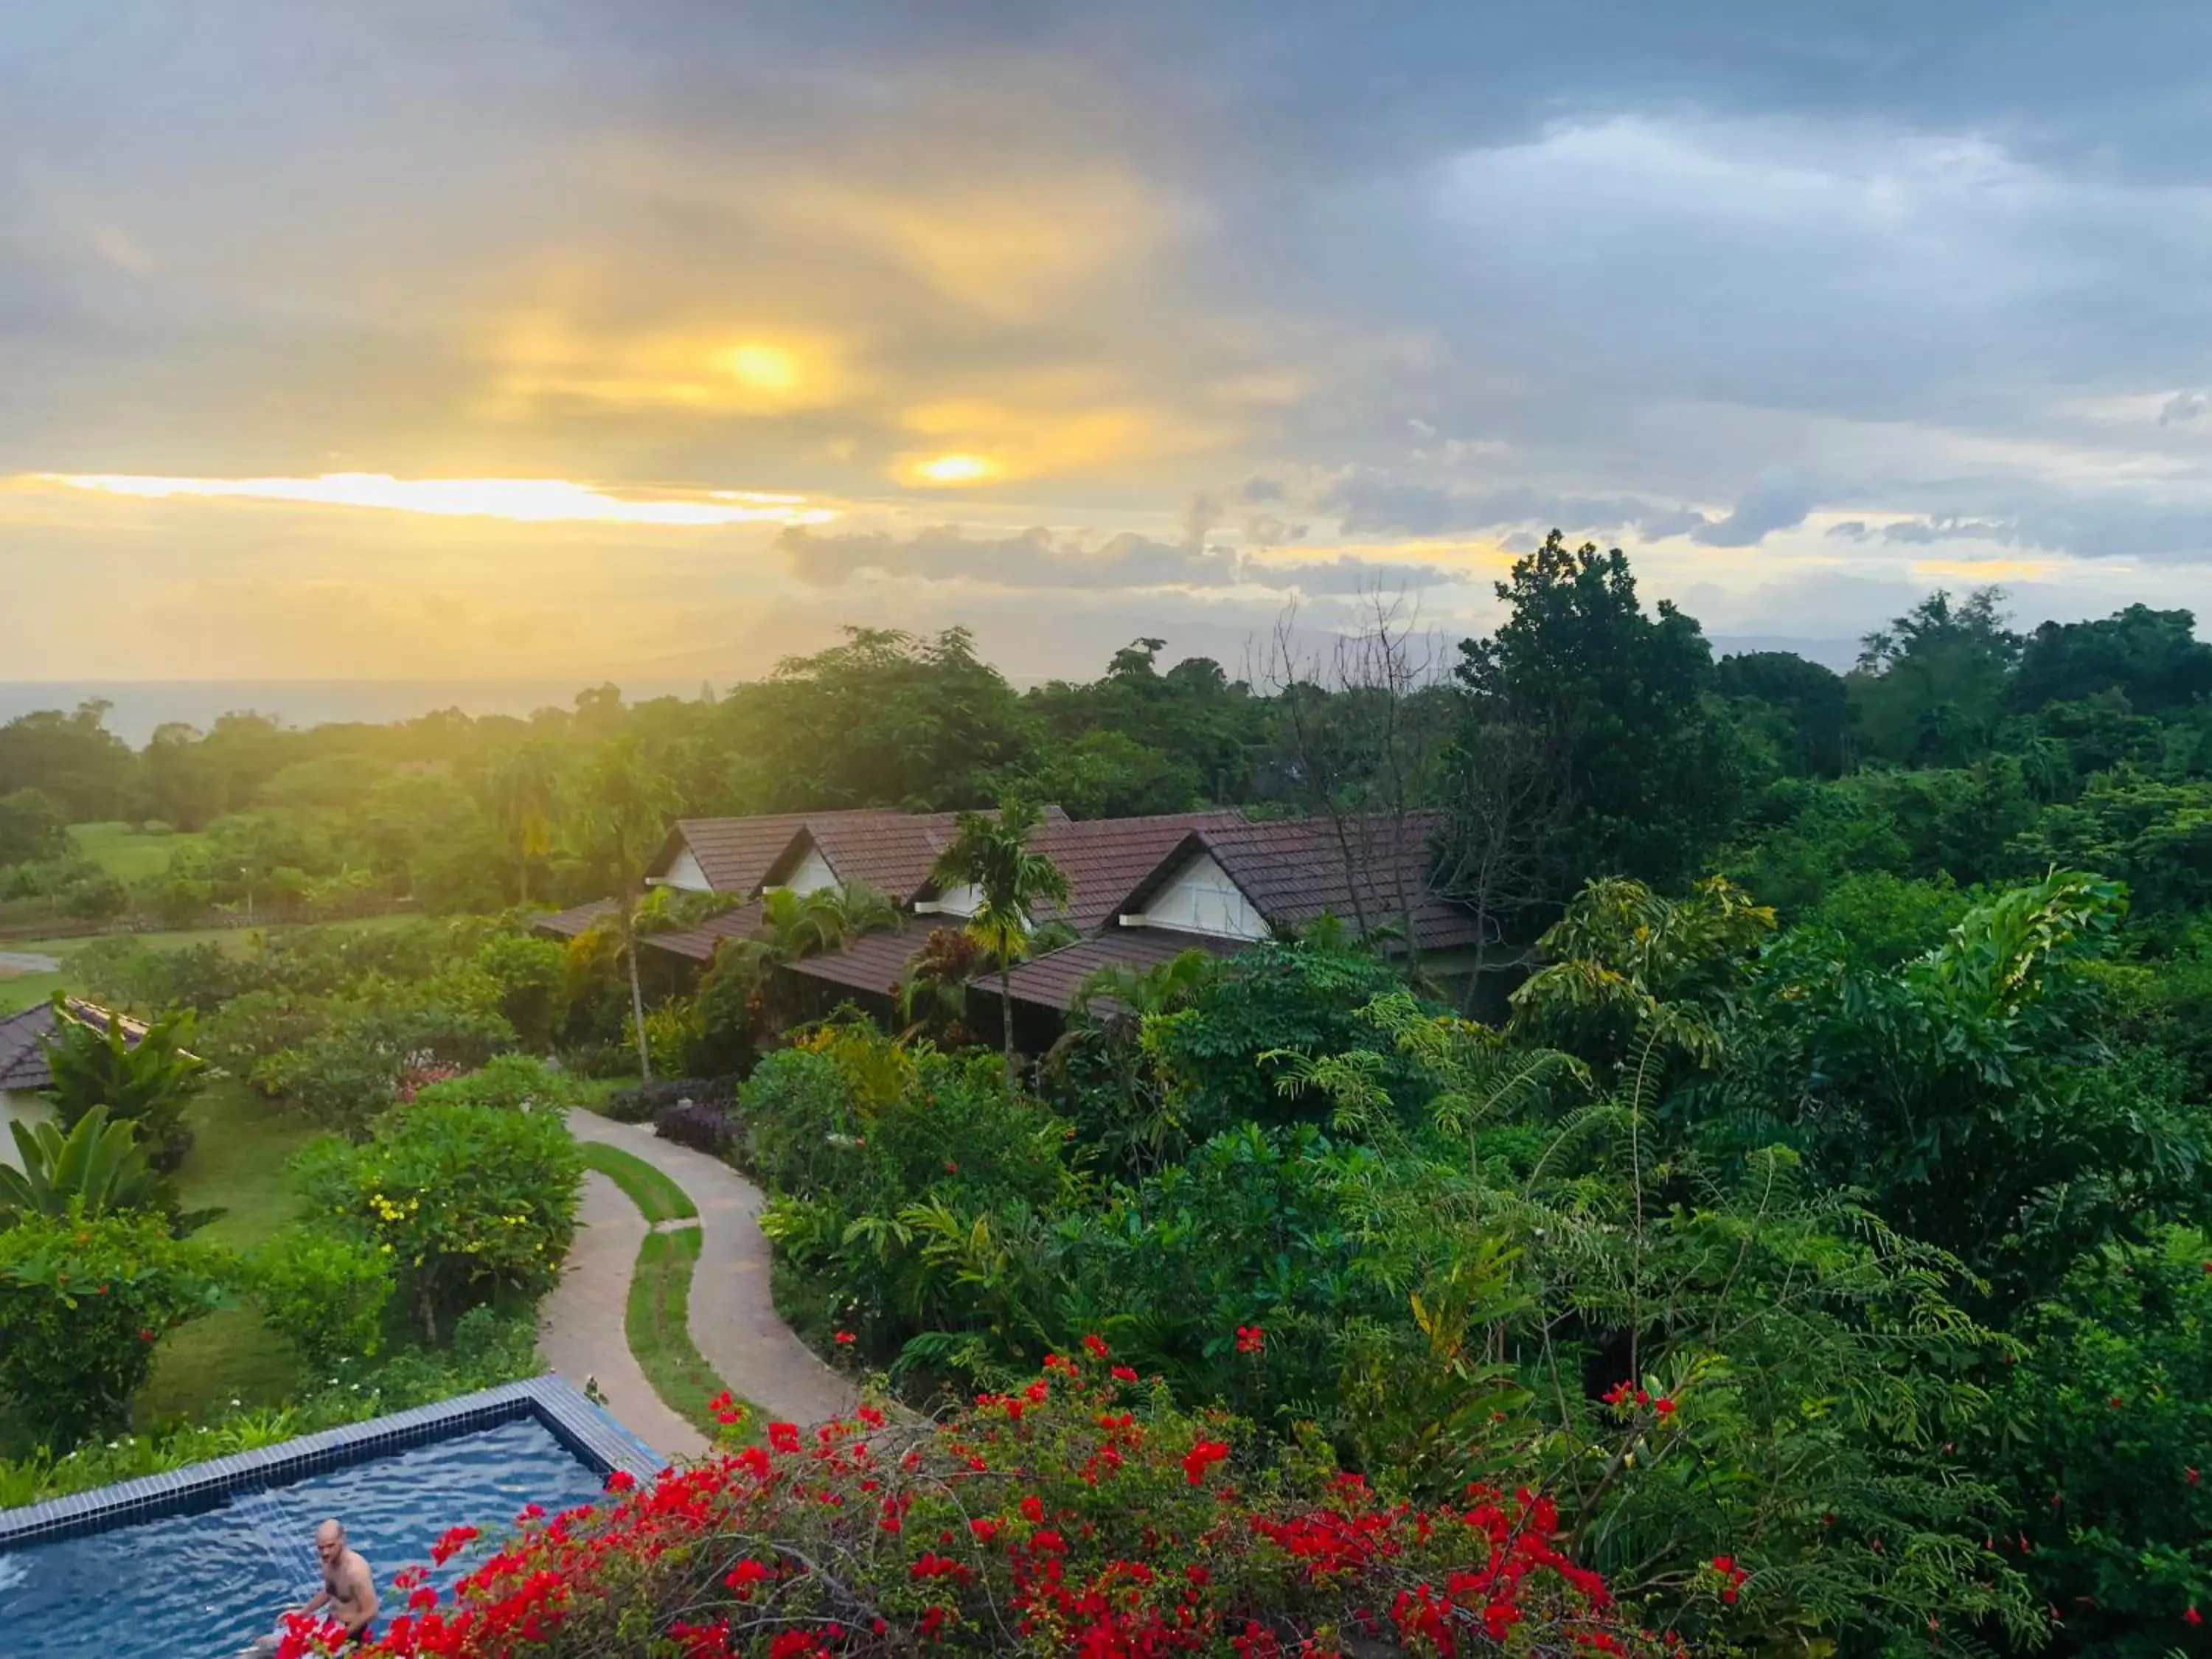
(23, 1074)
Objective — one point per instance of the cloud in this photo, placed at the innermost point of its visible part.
(1778, 502)
(1036, 558)
(2182, 406)
(1366, 501)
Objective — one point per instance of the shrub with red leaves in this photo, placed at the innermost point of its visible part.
(1078, 1516)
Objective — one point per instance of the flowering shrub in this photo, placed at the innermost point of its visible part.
(83, 1300)
(468, 1202)
(1078, 1515)
(703, 1129)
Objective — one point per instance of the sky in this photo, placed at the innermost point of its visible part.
(550, 338)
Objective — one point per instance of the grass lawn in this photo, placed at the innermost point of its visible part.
(124, 853)
(655, 1195)
(19, 990)
(657, 1322)
(237, 1162)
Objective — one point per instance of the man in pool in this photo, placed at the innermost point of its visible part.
(347, 1594)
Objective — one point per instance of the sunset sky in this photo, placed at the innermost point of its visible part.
(546, 336)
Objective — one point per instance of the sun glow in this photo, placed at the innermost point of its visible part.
(764, 367)
(524, 500)
(956, 469)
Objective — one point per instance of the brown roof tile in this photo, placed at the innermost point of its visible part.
(1105, 858)
(23, 1039)
(736, 855)
(1051, 980)
(1293, 870)
(874, 962)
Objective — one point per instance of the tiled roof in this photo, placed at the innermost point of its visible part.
(874, 962)
(735, 854)
(1051, 980)
(697, 943)
(893, 852)
(22, 1047)
(1105, 858)
(1293, 870)
(574, 921)
(23, 1039)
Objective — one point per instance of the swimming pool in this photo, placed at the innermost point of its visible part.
(204, 1582)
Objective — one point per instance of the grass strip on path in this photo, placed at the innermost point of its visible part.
(658, 1322)
(657, 1197)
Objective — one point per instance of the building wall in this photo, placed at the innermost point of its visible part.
(1201, 899)
(813, 875)
(19, 1106)
(683, 872)
(961, 901)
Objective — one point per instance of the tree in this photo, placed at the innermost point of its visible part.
(622, 808)
(1625, 694)
(1931, 689)
(1800, 707)
(2152, 657)
(522, 792)
(991, 855)
(32, 827)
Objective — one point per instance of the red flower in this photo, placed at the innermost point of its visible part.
(2192, 1616)
(455, 1539)
(872, 1417)
(2190, 1475)
(783, 1436)
(747, 1573)
(1201, 1458)
(1197, 1573)
(2115, 1403)
(1032, 1508)
(1250, 1339)
(1664, 1406)
(1095, 1346)
(1123, 1374)
(845, 1337)
(145, 1335)
(621, 1480)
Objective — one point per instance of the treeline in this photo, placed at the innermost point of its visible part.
(1582, 737)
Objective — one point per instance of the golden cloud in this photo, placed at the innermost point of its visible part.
(523, 501)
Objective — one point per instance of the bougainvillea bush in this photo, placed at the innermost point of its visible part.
(1082, 1514)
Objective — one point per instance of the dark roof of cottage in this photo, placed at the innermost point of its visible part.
(1293, 872)
(736, 855)
(890, 852)
(874, 962)
(23, 1039)
(1104, 858)
(1051, 980)
(576, 920)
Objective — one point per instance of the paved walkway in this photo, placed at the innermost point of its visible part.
(580, 1325)
(734, 1324)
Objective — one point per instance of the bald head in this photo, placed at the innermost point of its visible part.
(330, 1540)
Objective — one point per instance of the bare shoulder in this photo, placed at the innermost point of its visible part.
(359, 1579)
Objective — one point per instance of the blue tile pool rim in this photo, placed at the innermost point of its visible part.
(588, 1431)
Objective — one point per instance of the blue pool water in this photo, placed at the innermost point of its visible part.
(203, 1586)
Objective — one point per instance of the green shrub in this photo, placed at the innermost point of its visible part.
(84, 1300)
(469, 1202)
(322, 1293)
(507, 1082)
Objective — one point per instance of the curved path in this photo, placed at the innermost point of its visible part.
(734, 1324)
(580, 1326)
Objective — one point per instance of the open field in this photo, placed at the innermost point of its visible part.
(22, 990)
(238, 1162)
(128, 854)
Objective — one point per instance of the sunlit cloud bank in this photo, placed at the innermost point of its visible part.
(524, 501)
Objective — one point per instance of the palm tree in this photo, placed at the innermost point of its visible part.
(622, 811)
(523, 791)
(992, 855)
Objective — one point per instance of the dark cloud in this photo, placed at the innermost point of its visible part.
(1366, 501)
(1775, 503)
(2182, 406)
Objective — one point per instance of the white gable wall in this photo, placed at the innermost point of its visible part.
(26, 1106)
(1201, 899)
(683, 872)
(962, 901)
(813, 875)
